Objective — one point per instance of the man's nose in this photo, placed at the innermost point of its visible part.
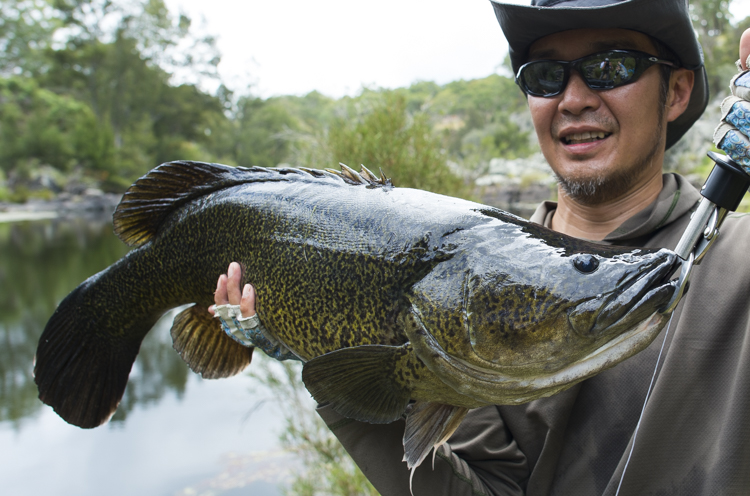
(577, 96)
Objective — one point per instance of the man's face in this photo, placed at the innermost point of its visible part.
(600, 144)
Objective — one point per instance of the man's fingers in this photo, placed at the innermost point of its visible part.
(234, 275)
(220, 296)
(737, 146)
(228, 292)
(745, 49)
(247, 303)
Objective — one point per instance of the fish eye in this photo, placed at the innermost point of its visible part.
(585, 263)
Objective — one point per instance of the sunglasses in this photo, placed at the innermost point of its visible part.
(600, 71)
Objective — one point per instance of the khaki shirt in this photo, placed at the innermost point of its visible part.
(694, 437)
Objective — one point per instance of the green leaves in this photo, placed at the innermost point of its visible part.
(26, 29)
(382, 134)
(100, 99)
(36, 123)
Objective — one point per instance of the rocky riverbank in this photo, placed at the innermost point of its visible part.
(517, 185)
(90, 203)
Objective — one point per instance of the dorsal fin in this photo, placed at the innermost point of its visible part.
(148, 202)
(365, 176)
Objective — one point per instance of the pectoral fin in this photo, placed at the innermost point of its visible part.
(370, 383)
(202, 343)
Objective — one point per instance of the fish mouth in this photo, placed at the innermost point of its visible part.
(634, 300)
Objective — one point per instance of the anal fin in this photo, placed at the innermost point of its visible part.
(428, 425)
(202, 343)
(369, 383)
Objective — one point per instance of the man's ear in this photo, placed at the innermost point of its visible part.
(680, 87)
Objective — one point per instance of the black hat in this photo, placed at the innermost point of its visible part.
(666, 20)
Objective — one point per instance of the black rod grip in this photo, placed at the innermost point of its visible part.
(726, 184)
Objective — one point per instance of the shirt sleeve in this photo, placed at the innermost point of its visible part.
(481, 458)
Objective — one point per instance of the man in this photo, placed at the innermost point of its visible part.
(605, 141)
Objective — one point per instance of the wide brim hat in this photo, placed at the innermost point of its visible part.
(666, 20)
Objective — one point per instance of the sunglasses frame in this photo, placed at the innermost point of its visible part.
(643, 62)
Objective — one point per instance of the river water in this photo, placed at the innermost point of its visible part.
(174, 433)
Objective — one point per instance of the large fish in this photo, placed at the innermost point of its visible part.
(399, 301)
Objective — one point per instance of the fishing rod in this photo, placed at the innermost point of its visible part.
(722, 193)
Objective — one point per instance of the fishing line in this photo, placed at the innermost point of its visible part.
(645, 401)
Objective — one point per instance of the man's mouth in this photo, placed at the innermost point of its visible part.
(585, 137)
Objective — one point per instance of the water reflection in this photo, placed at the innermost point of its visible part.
(182, 434)
(41, 263)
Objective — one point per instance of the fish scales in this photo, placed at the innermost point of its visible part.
(399, 301)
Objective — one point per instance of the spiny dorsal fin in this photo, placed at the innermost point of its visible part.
(148, 202)
(365, 176)
(369, 176)
(202, 343)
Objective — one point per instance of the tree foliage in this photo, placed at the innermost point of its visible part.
(38, 124)
(263, 128)
(384, 135)
(100, 98)
(719, 38)
(26, 29)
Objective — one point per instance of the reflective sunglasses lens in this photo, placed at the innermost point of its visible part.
(543, 78)
(608, 70)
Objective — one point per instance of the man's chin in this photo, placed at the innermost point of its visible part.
(605, 183)
(596, 190)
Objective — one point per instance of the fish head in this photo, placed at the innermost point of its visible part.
(565, 303)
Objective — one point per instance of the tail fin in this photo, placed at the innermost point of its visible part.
(82, 364)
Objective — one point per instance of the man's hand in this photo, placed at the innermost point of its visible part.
(228, 292)
(244, 329)
(733, 133)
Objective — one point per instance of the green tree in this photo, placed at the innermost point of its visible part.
(38, 124)
(477, 121)
(150, 120)
(384, 135)
(263, 132)
(498, 139)
(168, 42)
(26, 30)
(719, 38)
(113, 60)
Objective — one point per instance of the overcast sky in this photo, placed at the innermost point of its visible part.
(292, 47)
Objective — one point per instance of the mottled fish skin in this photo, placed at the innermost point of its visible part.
(389, 295)
(312, 262)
